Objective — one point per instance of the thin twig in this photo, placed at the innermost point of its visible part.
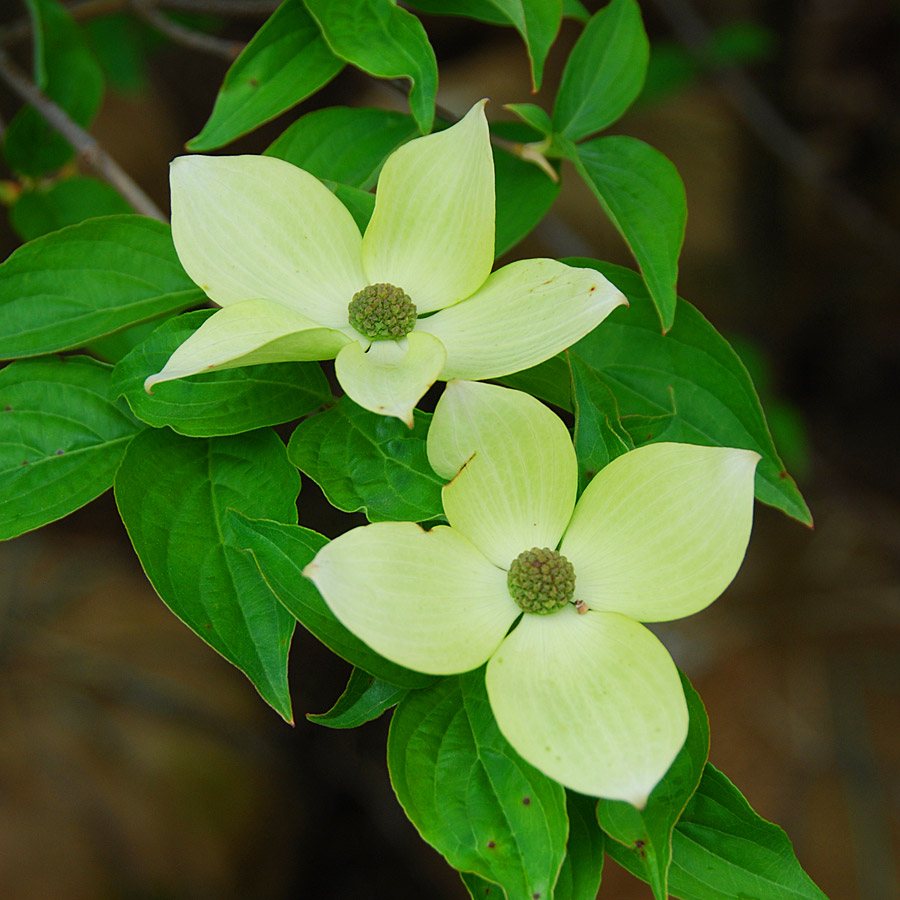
(89, 151)
(785, 142)
(90, 9)
(188, 37)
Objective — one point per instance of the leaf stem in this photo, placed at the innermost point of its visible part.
(89, 150)
(187, 37)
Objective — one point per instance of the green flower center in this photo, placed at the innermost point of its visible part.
(382, 312)
(541, 580)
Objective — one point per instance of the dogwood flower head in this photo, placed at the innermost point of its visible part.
(283, 257)
(581, 690)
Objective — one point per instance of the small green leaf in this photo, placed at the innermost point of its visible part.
(533, 115)
(365, 698)
(599, 435)
(363, 461)
(67, 72)
(480, 888)
(642, 193)
(215, 403)
(469, 793)
(173, 494)
(70, 287)
(582, 869)
(281, 553)
(118, 43)
(690, 374)
(359, 203)
(344, 144)
(722, 850)
(42, 210)
(537, 21)
(61, 439)
(286, 62)
(647, 833)
(605, 71)
(386, 41)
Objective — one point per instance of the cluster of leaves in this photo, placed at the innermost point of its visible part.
(208, 490)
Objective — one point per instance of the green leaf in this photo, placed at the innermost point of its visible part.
(722, 850)
(642, 193)
(537, 21)
(524, 193)
(575, 9)
(173, 493)
(61, 439)
(533, 115)
(647, 833)
(117, 42)
(281, 553)
(480, 888)
(365, 698)
(344, 144)
(469, 793)
(582, 869)
(605, 71)
(286, 62)
(692, 369)
(386, 41)
(42, 210)
(364, 461)
(67, 72)
(550, 381)
(215, 403)
(359, 203)
(599, 435)
(68, 288)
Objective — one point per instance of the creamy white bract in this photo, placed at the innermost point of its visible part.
(586, 694)
(283, 257)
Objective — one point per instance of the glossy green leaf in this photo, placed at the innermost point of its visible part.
(360, 203)
(642, 193)
(575, 9)
(582, 869)
(61, 439)
(344, 144)
(365, 698)
(173, 493)
(40, 211)
(550, 380)
(215, 403)
(386, 41)
(691, 370)
(605, 71)
(647, 833)
(363, 461)
(281, 553)
(722, 850)
(67, 72)
(533, 115)
(119, 44)
(537, 21)
(287, 60)
(70, 287)
(599, 435)
(480, 888)
(470, 795)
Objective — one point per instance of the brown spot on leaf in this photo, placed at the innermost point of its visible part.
(491, 845)
(526, 800)
(782, 475)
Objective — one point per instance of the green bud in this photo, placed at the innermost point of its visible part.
(541, 580)
(382, 312)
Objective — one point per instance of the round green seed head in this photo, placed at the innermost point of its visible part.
(541, 580)
(382, 312)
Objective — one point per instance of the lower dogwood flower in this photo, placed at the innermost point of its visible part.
(581, 690)
(411, 301)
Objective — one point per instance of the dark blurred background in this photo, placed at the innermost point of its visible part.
(135, 763)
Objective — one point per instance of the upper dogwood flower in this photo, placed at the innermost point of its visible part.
(580, 689)
(284, 258)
